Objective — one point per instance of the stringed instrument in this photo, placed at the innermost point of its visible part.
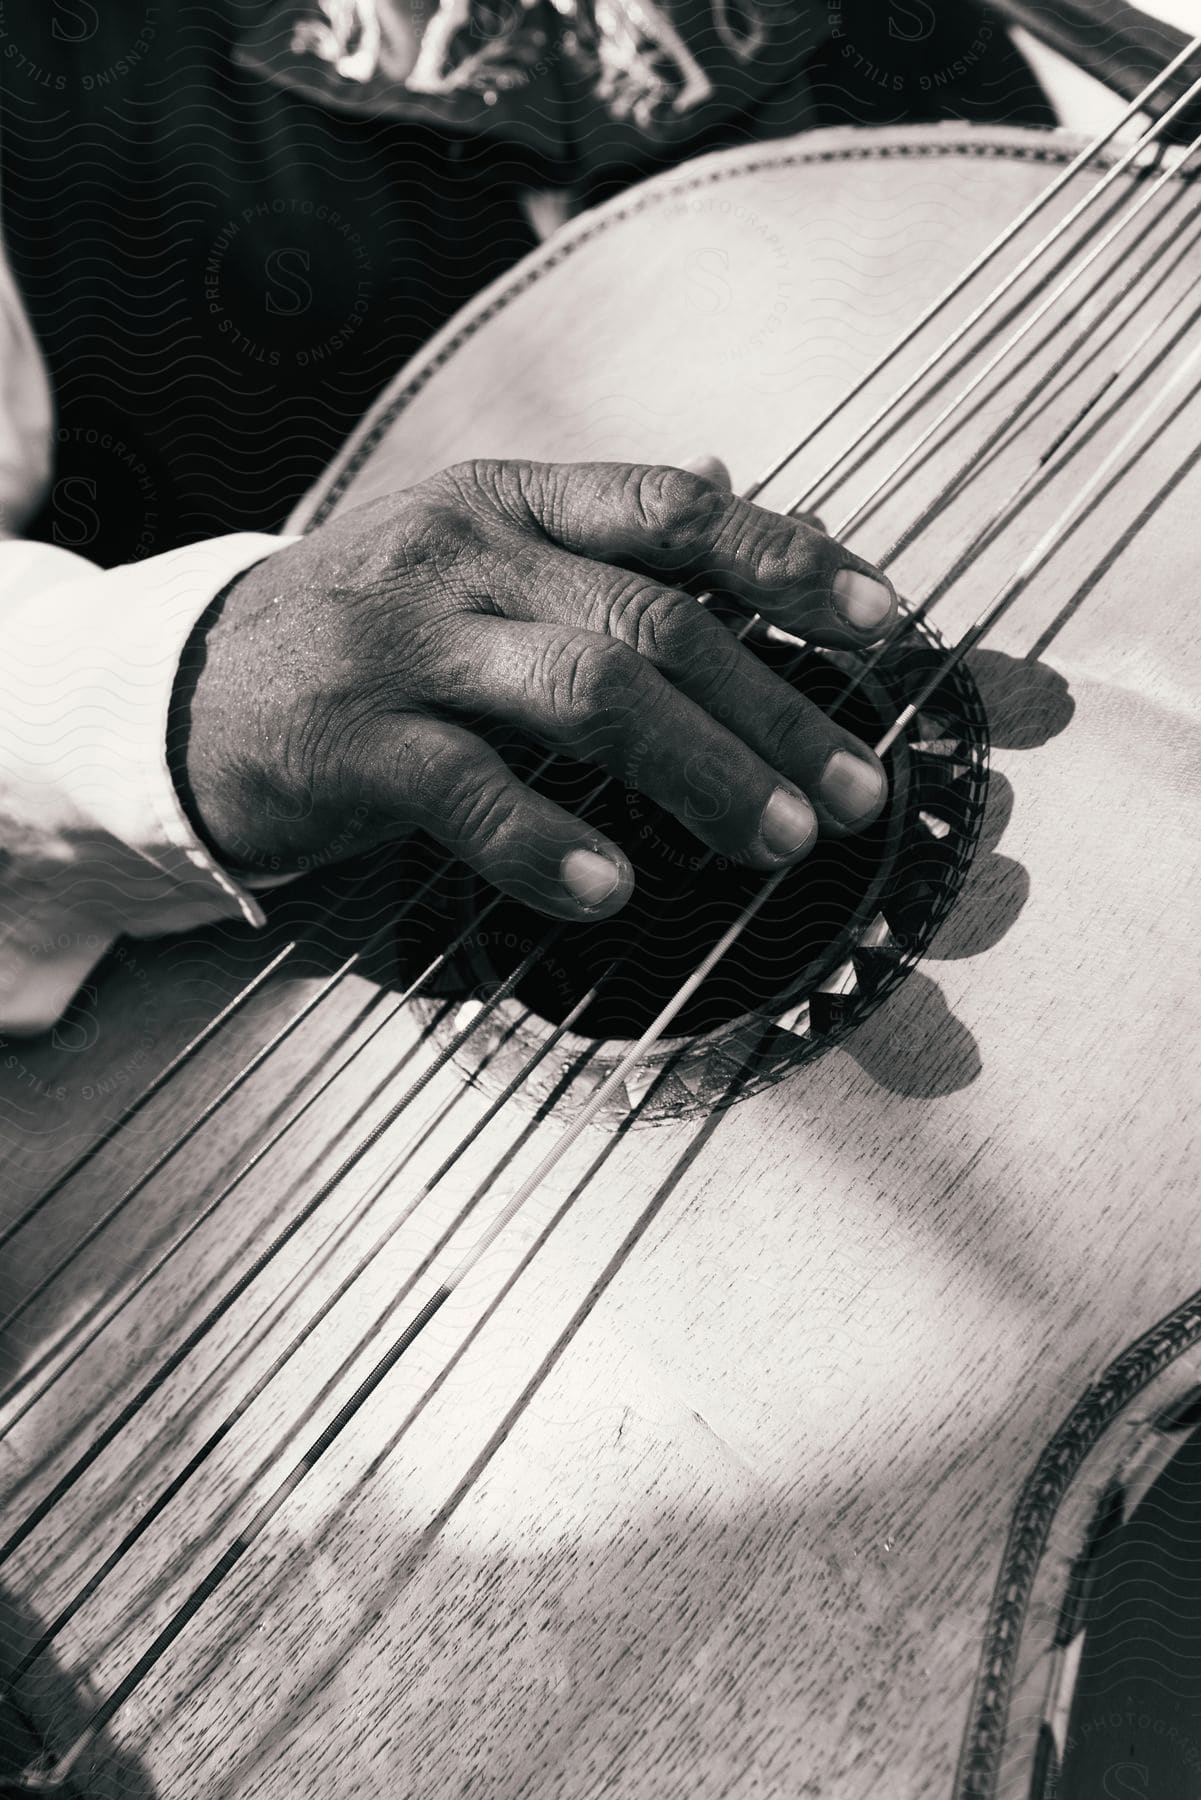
(763, 1448)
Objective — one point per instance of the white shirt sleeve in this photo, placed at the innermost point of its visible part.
(93, 840)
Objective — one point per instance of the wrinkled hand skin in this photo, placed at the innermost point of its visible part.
(343, 683)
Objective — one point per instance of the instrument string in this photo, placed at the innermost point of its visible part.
(177, 1062)
(904, 464)
(62, 1765)
(484, 1011)
(1046, 544)
(1055, 534)
(1150, 138)
(363, 1263)
(243, 1074)
(331, 913)
(194, 1125)
(197, 1043)
(742, 632)
(199, 1219)
(380, 1185)
(59, 1770)
(976, 267)
(283, 1237)
(1041, 461)
(1013, 504)
(1063, 361)
(1037, 472)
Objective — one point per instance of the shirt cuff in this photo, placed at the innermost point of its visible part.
(94, 840)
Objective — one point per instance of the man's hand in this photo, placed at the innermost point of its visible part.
(345, 680)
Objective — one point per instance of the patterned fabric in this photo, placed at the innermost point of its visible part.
(585, 82)
(631, 49)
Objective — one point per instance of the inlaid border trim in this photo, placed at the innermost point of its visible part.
(1030, 1527)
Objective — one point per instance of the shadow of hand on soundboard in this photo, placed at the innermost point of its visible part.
(1027, 702)
(916, 1045)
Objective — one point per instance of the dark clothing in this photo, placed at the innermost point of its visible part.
(224, 258)
(221, 275)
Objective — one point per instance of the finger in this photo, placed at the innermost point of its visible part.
(699, 656)
(677, 525)
(598, 700)
(433, 774)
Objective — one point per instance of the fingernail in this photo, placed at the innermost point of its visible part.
(863, 601)
(789, 823)
(589, 879)
(851, 786)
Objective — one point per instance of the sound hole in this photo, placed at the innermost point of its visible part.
(838, 934)
(682, 904)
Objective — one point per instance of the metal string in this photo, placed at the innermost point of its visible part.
(1042, 460)
(1149, 137)
(147, 1275)
(190, 1049)
(486, 1008)
(1114, 374)
(364, 1262)
(929, 511)
(986, 256)
(981, 262)
(902, 465)
(189, 1132)
(132, 1407)
(249, 1068)
(268, 1509)
(140, 1100)
(1034, 475)
(1047, 543)
(243, 1074)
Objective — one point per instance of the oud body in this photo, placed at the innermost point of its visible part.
(754, 1458)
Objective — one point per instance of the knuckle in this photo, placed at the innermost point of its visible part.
(643, 614)
(781, 556)
(314, 738)
(663, 625)
(428, 519)
(788, 731)
(475, 478)
(590, 675)
(365, 745)
(434, 532)
(674, 506)
(510, 487)
(477, 807)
